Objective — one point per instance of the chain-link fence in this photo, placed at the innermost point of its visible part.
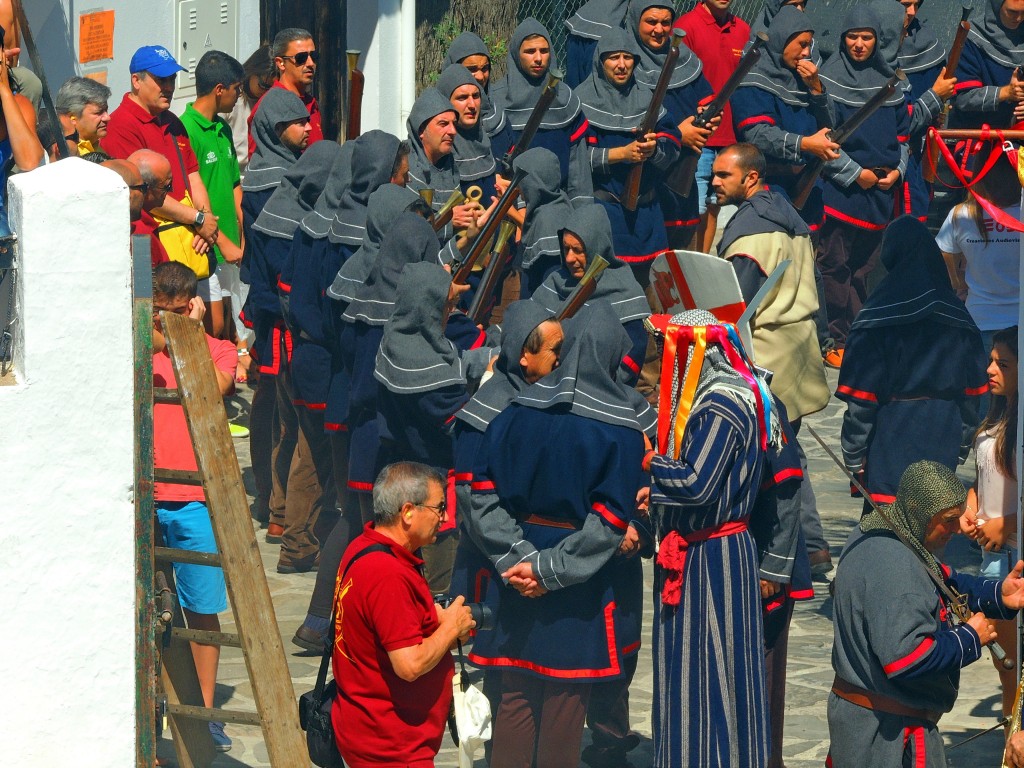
(502, 16)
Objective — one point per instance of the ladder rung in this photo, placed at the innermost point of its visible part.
(167, 396)
(213, 714)
(229, 639)
(172, 555)
(180, 476)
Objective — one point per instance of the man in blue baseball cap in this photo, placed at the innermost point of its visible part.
(144, 121)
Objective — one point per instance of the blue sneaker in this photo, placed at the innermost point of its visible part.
(220, 739)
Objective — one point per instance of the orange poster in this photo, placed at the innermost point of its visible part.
(95, 36)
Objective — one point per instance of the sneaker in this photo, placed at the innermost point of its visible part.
(237, 430)
(274, 533)
(220, 739)
(834, 358)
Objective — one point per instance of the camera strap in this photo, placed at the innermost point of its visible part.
(321, 677)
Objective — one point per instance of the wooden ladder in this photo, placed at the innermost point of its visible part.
(258, 637)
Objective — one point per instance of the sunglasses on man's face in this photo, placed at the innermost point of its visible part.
(300, 59)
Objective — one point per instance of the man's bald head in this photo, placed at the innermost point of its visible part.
(133, 180)
(156, 175)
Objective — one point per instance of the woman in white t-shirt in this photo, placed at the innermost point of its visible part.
(990, 516)
(990, 252)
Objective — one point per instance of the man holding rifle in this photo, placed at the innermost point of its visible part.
(859, 186)
(989, 89)
(651, 25)
(617, 109)
(718, 37)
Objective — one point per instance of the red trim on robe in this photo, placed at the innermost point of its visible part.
(631, 364)
(860, 394)
(900, 664)
(357, 486)
(670, 137)
(683, 223)
(967, 84)
(754, 120)
(283, 286)
(563, 674)
(330, 426)
(853, 220)
(580, 131)
(609, 517)
(484, 486)
(975, 391)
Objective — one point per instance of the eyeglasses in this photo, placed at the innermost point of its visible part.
(165, 188)
(301, 58)
(73, 136)
(441, 509)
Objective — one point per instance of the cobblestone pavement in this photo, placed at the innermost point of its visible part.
(810, 671)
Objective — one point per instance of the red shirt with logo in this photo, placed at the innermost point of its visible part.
(720, 48)
(383, 604)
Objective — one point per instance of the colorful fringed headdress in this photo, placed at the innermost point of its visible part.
(714, 358)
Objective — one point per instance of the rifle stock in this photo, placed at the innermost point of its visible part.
(631, 195)
(356, 82)
(443, 216)
(583, 290)
(533, 124)
(839, 135)
(476, 250)
(482, 303)
(680, 178)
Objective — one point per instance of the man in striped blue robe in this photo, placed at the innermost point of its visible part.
(710, 702)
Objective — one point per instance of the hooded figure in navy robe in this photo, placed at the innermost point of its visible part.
(275, 158)
(896, 650)
(586, 27)
(547, 209)
(274, 232)
(474, 160)
(423, 382)
(922, 58)
(914, 367)
(564, 125)
(438, 173)
(860, 187)
(467, 49)
(785, 113)
(324, 241)
(615, 104)
(410, 240)
(707, 617)
(571, 615)
(589, 226)
(987, 91)
(769, 11)
(688, 89)
(270, 161)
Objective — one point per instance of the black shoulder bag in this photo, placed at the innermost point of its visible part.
(315, 706)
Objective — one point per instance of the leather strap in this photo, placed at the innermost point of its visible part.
(879, 702)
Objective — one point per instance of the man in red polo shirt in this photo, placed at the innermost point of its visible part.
(294, 54)
(391, 648)
(144, 121)
(718, 37)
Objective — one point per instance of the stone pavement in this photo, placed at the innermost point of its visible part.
(810, 671)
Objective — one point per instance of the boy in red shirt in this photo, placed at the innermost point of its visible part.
(181, 509)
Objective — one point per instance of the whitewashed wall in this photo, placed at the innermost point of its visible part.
(66, 463)
(385, 31)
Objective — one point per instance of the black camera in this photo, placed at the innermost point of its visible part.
(482, 614)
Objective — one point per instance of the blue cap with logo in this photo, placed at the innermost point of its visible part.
(156, 60)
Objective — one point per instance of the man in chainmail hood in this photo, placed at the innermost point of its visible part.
(897, 655)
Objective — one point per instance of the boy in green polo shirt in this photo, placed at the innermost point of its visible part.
(218, 78)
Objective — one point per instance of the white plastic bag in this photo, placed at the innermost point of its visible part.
(472, 720)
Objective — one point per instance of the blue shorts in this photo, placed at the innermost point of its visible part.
(997, 565)
(186, 525)
(704, 164)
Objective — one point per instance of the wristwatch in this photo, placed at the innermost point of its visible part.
(200, 219)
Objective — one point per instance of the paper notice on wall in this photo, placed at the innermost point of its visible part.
(95, 36)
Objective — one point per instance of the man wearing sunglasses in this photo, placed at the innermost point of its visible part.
(294, 55)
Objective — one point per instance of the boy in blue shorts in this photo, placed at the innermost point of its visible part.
(181, 509)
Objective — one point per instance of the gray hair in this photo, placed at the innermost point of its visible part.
(77, 92)
(286, 36)
(399, 483)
